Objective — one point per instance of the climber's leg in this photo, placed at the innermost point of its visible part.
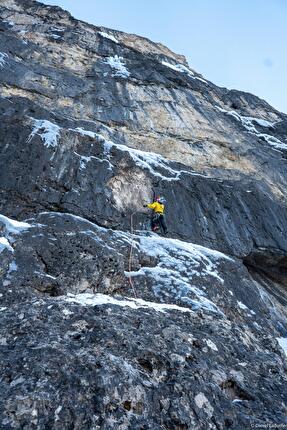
(155, 222)
(162, 224)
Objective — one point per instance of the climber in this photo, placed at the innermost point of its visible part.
(158, 218)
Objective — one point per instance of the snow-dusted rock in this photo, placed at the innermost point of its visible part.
(104, 324)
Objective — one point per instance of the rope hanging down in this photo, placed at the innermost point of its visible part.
(131, 254)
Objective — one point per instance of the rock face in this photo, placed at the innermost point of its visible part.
(103, 324)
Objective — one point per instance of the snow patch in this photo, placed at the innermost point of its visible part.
(4, 244)
(108, 36)
(118, 65)
(87, 299)
(48, 131)
(211, 344)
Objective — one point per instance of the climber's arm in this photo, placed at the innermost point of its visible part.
(151, 205)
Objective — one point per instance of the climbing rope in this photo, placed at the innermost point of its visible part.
(131, 254)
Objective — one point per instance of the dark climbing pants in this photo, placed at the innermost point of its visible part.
(158, 221)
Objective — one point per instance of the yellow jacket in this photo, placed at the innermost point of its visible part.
(157, 207)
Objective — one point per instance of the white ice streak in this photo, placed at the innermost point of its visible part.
(283, 343)
(182, 69)
(118, 65)
(178, 68)
(146, 160)
(248, 124)
(262, 122)
(245, 308)
(12, 226)
(273, 141)
(108, 36)
(55, 36)
(150, 161)
(211, 344)
(48, 131)
(44, 275)
(242, 306)
(83, 132)
(3, 58)
(88, 299)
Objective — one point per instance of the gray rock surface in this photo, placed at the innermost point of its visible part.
(104, 325)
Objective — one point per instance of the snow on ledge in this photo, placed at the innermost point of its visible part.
(88, 299)
(248, 123)
(108, 36)
(48, 131)
(83, 132)
(4, 244)
(146, 160)
(178, 68)
(117, 64)
(13, 226)
(182, 69)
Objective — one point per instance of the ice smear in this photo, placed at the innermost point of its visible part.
(179, 270)
(48, 131)
(87, 299)
(179, 266)
(13, 226)
(108, 36)
(182, 69)
(3, 57)
(248, 124)
(283, 343)
(117, 64)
